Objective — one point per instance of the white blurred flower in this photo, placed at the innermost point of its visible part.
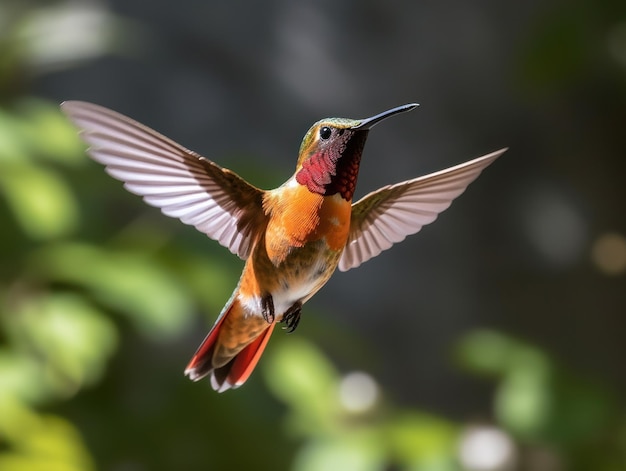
(486, 448)
(358, 392)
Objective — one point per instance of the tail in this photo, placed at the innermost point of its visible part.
(231, 349)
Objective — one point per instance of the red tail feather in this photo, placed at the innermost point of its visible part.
(234, 372)
(242, 365)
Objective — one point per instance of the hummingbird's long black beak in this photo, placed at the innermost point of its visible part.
(369, 123)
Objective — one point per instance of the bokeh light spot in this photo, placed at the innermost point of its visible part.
(358, 392)
(608, 253)
(486, 448)
(555, 227)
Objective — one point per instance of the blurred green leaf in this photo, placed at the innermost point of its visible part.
(354, 451)
(423, 441)
(129, 282)
(46, 443)
(72, 339)
(34, 129)
(20, 376)
(41, 200)
(523, 402)
(47, 133)
(302, 377)
(484, 352)
(12, 146)
(494, 353)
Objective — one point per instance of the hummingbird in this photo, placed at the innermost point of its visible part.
(292, 238)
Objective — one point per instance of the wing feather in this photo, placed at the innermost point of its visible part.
(180, 182)
(388, 215)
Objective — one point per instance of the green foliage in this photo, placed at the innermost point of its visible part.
(65, 338)
(55, 342)
(38, 195)
(39, 442)
(126, 281)
(540, 402)
(336, 436)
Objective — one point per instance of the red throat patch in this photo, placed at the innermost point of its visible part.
(334, 169)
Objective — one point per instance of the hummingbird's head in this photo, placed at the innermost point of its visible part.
(331, 150)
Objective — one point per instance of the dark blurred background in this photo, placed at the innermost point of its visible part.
(492, 340)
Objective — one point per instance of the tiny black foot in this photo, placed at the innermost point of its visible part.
(267, 308)
(291, 318)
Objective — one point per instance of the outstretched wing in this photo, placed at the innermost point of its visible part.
(182, 183)
(388, 215)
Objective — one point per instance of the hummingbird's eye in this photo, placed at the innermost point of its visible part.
(325, 132)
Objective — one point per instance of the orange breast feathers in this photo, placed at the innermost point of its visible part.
(298, 216)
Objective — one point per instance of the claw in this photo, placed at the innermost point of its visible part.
(267, 308)
(291, 318)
